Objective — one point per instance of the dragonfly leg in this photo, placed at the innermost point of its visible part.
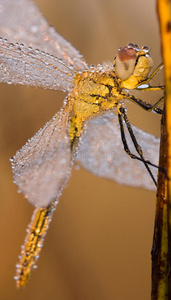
(122, 115)
(151, 76)
(151, 88)
(145, 105)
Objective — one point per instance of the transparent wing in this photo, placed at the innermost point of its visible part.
(42, 166)
(22, 22)
(20, 65)
(101, 152)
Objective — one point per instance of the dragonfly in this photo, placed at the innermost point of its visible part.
(90, 127)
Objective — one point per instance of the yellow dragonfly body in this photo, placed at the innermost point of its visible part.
(100, 89)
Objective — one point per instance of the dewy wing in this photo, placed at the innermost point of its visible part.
(20, 65)
(21, 21)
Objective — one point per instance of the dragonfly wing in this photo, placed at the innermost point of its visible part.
(101, 152)
(22, 22)
(43, 165)
(20, 65)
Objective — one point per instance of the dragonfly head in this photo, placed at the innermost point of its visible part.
(132, 65)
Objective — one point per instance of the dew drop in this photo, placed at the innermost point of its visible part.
(37, 51)
(34, 267)
(77, 167)
(16, 278)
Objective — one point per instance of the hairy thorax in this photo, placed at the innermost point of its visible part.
(94, 92)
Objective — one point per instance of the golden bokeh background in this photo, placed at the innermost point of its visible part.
(99, 242)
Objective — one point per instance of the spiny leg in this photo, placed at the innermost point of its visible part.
(151, 88)
(33, 243)
(122, 115)
(145, 105)
(151, 76)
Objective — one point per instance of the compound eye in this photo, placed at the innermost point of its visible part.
(125, 62)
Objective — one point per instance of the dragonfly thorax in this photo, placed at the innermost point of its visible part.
(132, 65)
(95, 92)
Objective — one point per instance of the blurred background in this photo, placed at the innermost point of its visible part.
(99, 242)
